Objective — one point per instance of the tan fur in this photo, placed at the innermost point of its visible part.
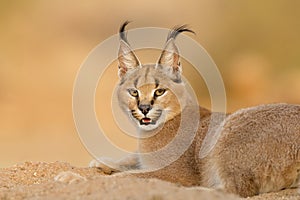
(258, 149)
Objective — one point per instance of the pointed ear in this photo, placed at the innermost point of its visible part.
(170, 60)
(127, 59)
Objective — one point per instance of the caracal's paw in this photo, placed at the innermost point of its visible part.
(107, 165)
(69, 177)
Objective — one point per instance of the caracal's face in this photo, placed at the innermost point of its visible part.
(149, 97)
(151, 94)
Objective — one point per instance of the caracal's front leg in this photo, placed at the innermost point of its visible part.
(109, 166)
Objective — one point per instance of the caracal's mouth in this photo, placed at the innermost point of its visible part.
(146, 121)
(152, 119)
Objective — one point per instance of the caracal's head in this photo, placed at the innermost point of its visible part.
(151, 94)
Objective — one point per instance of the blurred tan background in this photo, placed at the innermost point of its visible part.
(255, 44)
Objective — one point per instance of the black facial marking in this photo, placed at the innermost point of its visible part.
(136, 82)
(135, 114)
(122, 81)
(147, 72)
(152, 102)
(156, 83)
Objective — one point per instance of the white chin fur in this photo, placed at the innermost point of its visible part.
(149, 127)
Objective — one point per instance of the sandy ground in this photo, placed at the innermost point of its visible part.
(36, 181)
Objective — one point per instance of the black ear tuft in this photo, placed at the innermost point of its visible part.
(177, 30)
(122, 32)
(126, 57)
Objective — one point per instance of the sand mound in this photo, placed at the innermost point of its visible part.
(36, 181)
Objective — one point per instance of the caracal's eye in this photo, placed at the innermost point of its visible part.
(159, 92)
(133, 92)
